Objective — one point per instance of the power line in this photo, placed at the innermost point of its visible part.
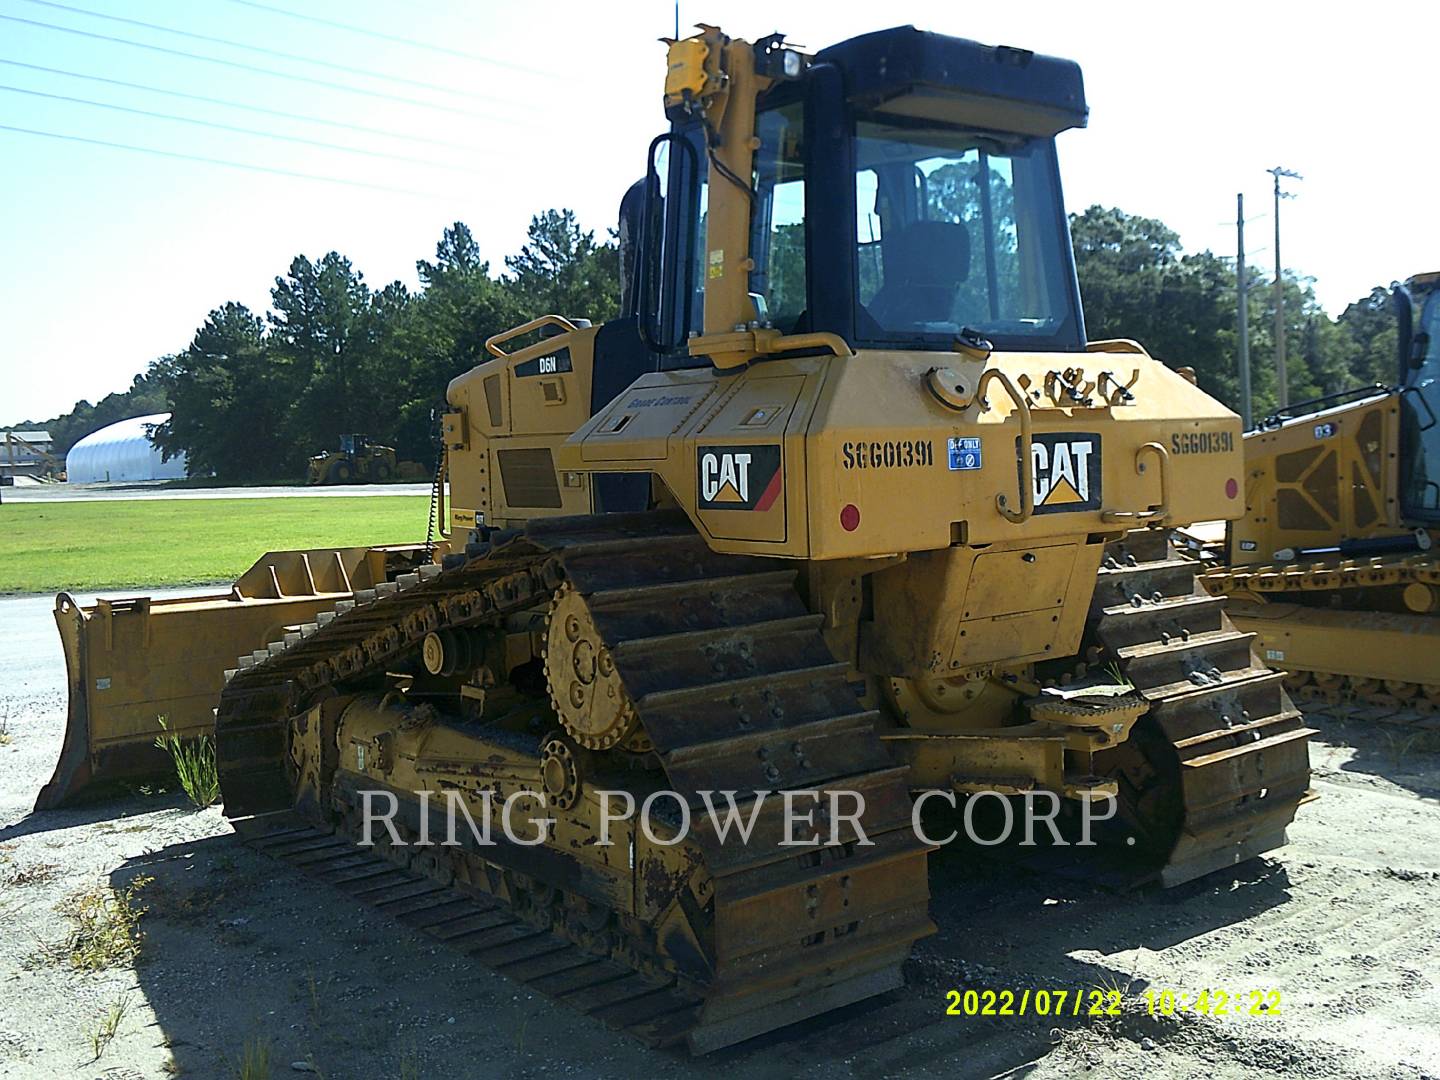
(228, 164)
(273, 52)
(303, 117)
(241, 130)
(253, 68)
(412, 42)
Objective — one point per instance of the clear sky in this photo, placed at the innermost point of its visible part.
(112, 257)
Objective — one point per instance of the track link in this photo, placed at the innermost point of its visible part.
(653, 1010)
(1214, 772)
(735, 690)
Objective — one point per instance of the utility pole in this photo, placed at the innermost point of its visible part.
(1242, 309)
(1282, 386)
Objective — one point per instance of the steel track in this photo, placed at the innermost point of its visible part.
(736, 691)
(1215, 771)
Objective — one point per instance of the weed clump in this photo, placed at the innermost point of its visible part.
(107, 926)
(254, 1060)
(194, 761)
(105, 1033)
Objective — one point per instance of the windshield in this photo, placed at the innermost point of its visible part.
(957, 229)
(1419, 428)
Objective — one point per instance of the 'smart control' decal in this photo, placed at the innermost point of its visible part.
(738, 477)
(1067, 472)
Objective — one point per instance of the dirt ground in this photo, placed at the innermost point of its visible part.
(240, 951)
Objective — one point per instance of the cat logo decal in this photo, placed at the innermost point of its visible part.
(738, 477)
(1067, 472)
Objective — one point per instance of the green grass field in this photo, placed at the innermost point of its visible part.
(85, 546)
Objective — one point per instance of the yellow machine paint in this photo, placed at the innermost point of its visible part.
(844, 505)
(132, 661)
(358, 461)
(951, 509)
(1333, 564)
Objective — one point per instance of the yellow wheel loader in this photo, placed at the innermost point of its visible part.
(1333, 566)
(358, 461)
(844, 513)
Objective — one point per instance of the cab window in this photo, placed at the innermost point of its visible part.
(1420, 425)
(955, 229)
(777, 223)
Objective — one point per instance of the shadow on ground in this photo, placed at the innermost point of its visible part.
(1406, 755)
(91, 812)
(243, 950)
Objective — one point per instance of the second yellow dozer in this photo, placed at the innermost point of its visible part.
(1333, 566)
(843, 512)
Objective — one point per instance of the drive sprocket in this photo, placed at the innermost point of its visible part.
(585, 688)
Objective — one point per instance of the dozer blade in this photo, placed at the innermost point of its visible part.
(1381, 661)
(130, 662)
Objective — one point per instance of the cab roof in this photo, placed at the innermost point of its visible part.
(908, 72)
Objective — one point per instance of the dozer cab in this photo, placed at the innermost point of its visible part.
(845, 511)
(1333, 565)
(358, 461)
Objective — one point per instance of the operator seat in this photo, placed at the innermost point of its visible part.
(925, 264)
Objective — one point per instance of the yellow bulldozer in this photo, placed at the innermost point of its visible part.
(358, 461)
(844, 512)
(1333, 565)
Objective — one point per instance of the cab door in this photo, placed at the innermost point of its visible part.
(1420, 423)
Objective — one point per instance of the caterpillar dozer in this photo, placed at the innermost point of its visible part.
(843, 511)
(1333, 565)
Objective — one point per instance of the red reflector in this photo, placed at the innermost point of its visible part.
(1231, 488)
(850, 517)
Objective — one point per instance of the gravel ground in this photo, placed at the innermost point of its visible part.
(1344, 924)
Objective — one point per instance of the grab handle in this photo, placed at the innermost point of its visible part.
(493, 343)
(1027, 459)
(1161, 512)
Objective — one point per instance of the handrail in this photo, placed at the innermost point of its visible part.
(492, 343)
(1027, 458)
(1161, 512)
(1301, 409)
(820, 339)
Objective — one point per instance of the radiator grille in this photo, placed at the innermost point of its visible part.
(528, 477)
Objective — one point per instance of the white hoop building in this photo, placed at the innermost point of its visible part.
(122, 453)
